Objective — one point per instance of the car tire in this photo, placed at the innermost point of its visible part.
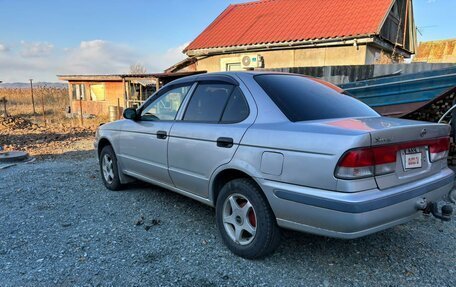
(249, 229)
(108, 169)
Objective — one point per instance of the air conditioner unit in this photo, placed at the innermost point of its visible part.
(248, 62)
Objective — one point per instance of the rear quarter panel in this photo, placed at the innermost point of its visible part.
(309, 154)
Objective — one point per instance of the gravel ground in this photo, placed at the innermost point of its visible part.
(60, 226)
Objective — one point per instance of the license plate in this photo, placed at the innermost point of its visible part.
(412, 160)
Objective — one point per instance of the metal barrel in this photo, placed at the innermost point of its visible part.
(113, 113)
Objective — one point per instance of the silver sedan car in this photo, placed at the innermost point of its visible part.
(271, 151)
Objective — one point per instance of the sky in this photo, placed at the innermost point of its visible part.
(40, 39)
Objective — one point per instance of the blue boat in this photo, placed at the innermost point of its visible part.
(400, 95)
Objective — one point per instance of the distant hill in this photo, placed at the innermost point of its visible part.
(37, 84)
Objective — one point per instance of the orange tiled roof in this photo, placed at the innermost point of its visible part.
(275, 21)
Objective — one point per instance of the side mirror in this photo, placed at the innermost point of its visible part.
(130, 114)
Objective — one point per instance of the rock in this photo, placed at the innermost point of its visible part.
(140, 221)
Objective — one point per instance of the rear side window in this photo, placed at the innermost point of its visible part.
(237, 108)
(208, 102)
(303, 99)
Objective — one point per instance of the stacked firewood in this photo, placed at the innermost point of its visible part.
(433, 111)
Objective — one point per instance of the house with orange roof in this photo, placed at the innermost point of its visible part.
(303, 33)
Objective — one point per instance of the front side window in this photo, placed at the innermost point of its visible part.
(208, 103)
(166, 106)
(305, 99)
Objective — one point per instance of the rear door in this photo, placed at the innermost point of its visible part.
(208, 134)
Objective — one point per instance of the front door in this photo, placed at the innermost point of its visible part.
(214, 122)
(144, 143)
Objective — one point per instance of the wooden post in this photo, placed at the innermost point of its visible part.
(157, 84)
(124, 92)
(80, 110)
(33, 100)
(42, 106)
(127, 103)
(118, 109)
(4, 101)
(405, 23)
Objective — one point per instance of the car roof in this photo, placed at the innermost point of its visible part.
(228, 76)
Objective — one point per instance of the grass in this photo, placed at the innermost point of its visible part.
(27, 131)
(20, 101)
(56, 102)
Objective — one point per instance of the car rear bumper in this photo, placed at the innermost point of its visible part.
(352, 215)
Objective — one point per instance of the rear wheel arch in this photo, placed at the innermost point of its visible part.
(225, 176)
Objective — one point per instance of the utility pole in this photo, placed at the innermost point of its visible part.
(33, 100)
(42, 105)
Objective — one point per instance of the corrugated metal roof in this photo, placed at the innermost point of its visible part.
(144, 82)
(120, 77)
(275, 21)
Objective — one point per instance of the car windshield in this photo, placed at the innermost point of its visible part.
(303, 99)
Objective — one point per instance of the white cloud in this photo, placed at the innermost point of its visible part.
(42, 61)
(37, 49)
(161, 61)
(98, 57)
(174, 55)
(3, 48)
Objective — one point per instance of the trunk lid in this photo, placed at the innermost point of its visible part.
(412, 139)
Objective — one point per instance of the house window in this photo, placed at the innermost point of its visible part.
(234, 67)
(78, 91)
(97, 92)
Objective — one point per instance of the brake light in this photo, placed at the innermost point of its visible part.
(367, 162)
(380, 160)
(439, 149)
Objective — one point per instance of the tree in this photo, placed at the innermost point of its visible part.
(137, 69)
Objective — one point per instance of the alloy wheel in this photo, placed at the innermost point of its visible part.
(108, 168)
(239, 219)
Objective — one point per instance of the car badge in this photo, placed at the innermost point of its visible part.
(382, 140)
(423, 132)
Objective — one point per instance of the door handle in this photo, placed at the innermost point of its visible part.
(225, 142)
(162, 135)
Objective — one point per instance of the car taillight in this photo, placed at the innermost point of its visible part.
(367, 162)
(380, 160)
(439, 149)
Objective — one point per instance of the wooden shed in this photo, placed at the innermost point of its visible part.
(95, 94)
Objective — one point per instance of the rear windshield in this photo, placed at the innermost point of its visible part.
(303, 99)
